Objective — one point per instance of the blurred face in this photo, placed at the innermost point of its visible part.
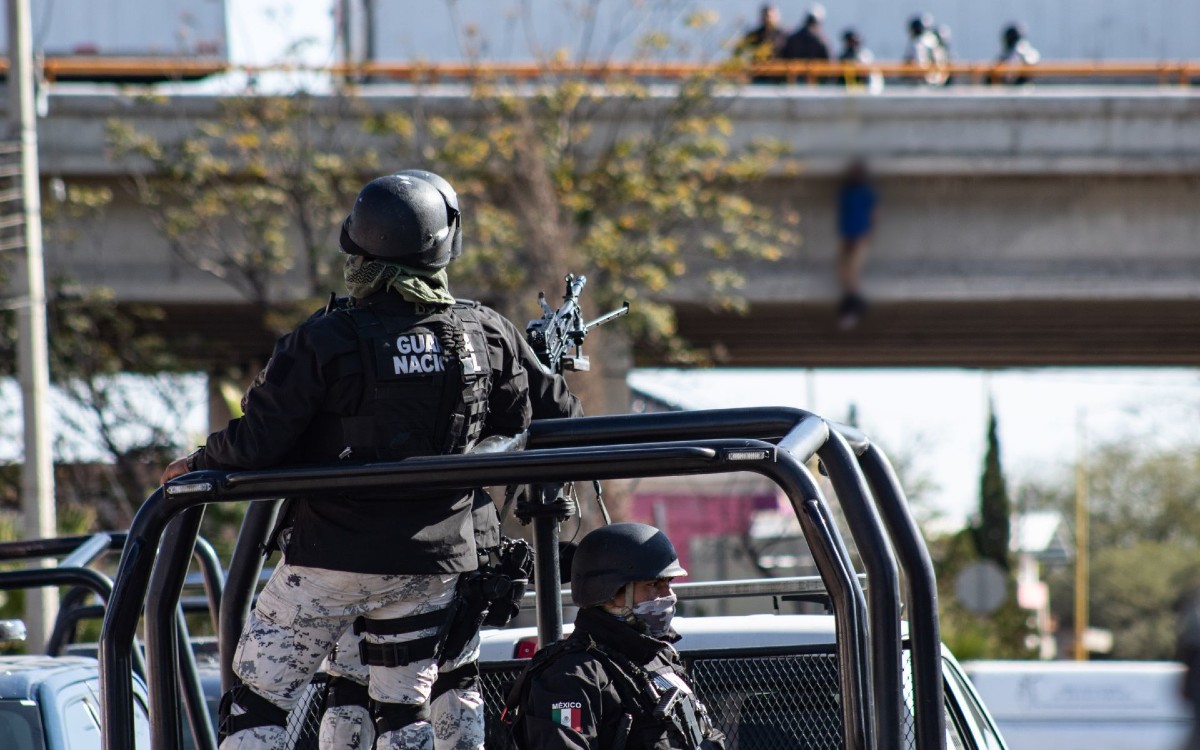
(643, 591)
(770, 16)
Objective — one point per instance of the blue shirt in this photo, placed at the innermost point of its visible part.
(856, 204)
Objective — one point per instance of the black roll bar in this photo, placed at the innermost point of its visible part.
(244, 569)
(432, 473)
(923, 629)
(803, 434)
(850, 622)
(24, 549)
(163, 625)
(71, 609)
(214, 578)
(795, 430)
(874, 549)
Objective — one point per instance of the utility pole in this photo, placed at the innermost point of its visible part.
(1081, 543)
(37, 474)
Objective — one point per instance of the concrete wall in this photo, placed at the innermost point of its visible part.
(1045, 194)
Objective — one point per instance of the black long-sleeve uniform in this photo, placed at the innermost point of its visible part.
(579, 697)
(314, 383)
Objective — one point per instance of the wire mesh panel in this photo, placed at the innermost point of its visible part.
(494, 682)
(761, 699)
(768, 701)
(772, 702)
(304, 721)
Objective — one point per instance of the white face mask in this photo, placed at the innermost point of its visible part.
(657, 613)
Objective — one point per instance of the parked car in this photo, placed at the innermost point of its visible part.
(52, 703)
(1099, 705)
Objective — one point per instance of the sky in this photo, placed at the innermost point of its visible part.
(266, 31)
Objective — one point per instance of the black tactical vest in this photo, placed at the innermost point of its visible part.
(426, 381)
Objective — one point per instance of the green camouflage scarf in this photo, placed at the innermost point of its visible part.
(365, 276)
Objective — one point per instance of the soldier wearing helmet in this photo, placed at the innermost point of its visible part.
(617, 681)
(398, 369)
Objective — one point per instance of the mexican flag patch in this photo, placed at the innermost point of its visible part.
(568, 714)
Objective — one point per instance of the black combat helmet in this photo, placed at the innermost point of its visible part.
(614, 555)
(448, 193)
(403, 219)
(1012, 34)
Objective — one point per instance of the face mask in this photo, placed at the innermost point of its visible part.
(656, 614)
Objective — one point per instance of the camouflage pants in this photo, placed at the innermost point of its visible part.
(299, 616)
(457, 715)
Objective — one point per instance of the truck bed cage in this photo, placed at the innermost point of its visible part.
(773, 442)
(746, 587)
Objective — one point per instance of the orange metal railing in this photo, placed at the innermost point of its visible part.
(791, 71)
(811, 72)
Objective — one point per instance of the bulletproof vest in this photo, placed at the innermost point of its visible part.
(659, 705)
(426, 381)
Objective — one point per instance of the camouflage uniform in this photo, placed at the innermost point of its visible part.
(457, 714)
(298, 618)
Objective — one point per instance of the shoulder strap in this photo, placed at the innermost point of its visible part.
(631, 680)
(541, 660)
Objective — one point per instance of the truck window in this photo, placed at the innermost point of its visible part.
(20, 726)
(141, 717)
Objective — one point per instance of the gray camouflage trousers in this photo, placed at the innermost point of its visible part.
(299, 616)
(457, 715)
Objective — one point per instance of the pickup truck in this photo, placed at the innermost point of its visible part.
(53, 703)
(873, 675)
(769, 681)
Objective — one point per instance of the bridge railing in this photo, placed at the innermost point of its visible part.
(1185, 72)
(785, 71)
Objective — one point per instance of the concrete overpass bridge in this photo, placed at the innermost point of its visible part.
(1031, 226)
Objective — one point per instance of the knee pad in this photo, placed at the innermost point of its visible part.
(256, 711)
(390, 717)
(342, 691)
(465, 677)
(347, 721)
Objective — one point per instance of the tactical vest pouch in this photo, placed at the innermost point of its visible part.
(513, 570)
(490, 595)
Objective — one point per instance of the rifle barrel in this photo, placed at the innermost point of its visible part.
(607, 316)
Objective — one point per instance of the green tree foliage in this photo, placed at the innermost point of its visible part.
(1145, 543)
(253, 195)
(993, 531)
(110, 449)
(635, 187)
(1002, 634)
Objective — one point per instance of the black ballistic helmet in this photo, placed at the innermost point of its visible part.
(617, 554)
(448, 194)
(402, 219)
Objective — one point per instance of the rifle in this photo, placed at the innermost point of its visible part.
(556, 331)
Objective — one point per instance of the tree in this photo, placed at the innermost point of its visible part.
(254, 195)
(1145, 542)
(111, 445)
(1003, 634)
(993, 531)
(654, 195)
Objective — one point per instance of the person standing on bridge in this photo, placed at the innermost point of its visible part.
(402, 370)
(809, 42)
(855, 223)
(1016, 53)
(763, 43)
